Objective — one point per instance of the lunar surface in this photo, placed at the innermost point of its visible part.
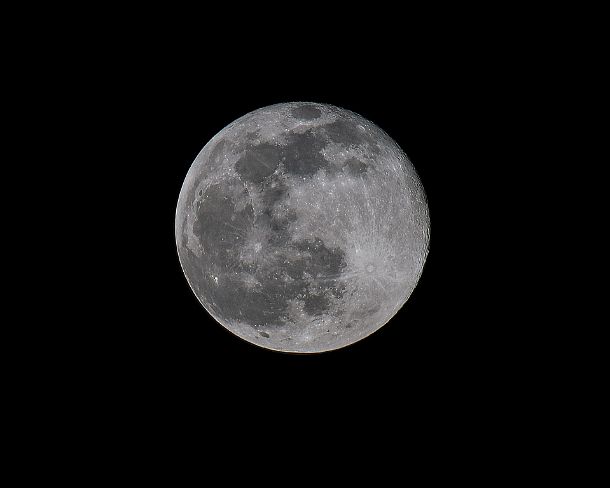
(302, 227)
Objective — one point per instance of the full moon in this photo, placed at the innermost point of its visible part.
(302, 227)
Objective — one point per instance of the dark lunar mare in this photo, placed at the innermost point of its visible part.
(218, 225)
(259, 162)
(354, 167)
(306, 112)
(346, 132)
(301, 156)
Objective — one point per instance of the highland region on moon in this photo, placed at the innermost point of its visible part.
(302, 227)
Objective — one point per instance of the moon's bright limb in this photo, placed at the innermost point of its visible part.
(302, 227)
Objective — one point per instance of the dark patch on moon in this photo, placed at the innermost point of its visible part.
(302, 156)
(280, 225)
(277, 225)
(354, 167)
(321, 261)
(218, 223)
(276, 292)
(273, 192)
(306, 112)
(259, 162)
(343, 131)
(219, 273)
(265, 306)
(216, 155)
(371, 310)
(316, 304)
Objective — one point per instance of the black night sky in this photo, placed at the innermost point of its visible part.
(438, 100)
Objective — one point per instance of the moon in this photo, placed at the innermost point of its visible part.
(302, 227)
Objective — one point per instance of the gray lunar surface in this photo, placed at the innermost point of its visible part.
(302, 227)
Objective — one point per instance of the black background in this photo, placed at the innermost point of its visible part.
(134, 361)
(443, 100)
(436, 336)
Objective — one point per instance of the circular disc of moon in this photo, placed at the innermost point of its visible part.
(302, 227)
